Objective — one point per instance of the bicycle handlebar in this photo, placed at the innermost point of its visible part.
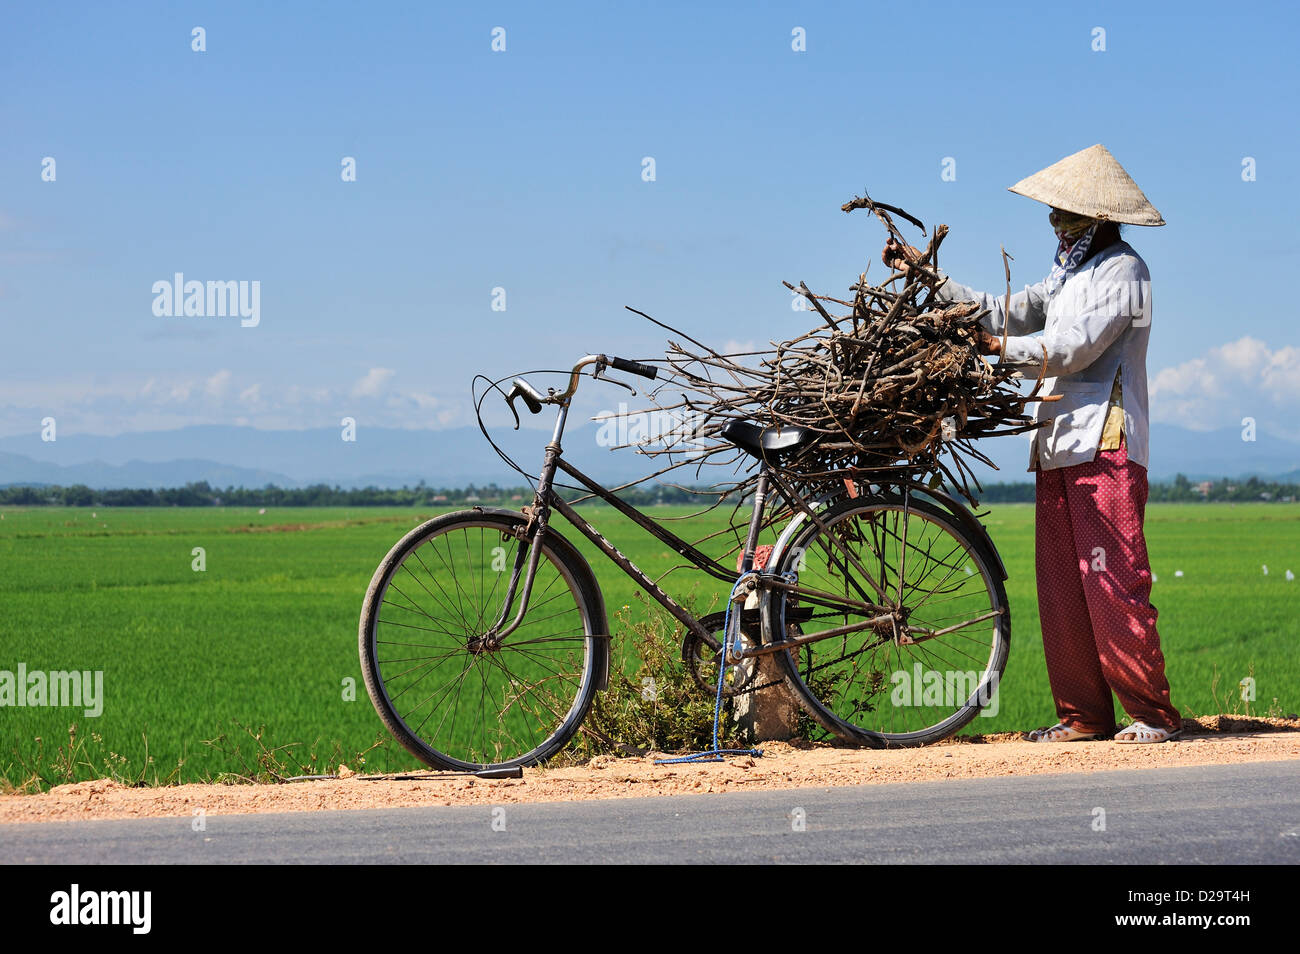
(522, 389)
(620, 364)
(519, 388)
(634, 367)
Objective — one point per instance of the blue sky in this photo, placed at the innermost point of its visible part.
(522, 170)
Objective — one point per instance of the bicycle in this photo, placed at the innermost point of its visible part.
(484, 636)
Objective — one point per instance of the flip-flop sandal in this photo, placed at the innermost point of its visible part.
(1062, 733)
(1144, 734)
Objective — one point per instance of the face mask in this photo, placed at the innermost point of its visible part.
(1068, 226)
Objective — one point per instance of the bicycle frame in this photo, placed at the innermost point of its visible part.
(546, 499)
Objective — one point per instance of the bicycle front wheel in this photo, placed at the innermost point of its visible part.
(934, 664)
(453, 700)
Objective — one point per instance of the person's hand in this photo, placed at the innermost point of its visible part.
(987, 343)
(899, 256)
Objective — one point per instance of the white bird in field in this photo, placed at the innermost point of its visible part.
(1266, 569)
(1178, 572)
(1290, 575)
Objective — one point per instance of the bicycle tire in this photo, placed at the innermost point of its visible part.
(841, 710)
(521, 696)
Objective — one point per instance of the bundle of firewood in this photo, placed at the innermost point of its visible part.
(896, 385)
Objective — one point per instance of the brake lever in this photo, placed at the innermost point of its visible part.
(510, 403)
(520, 389)
(596, 375)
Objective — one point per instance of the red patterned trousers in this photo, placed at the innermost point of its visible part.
(1094, 595)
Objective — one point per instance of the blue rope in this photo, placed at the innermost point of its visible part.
(716, 754)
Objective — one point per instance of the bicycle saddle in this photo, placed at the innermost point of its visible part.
(767, 443)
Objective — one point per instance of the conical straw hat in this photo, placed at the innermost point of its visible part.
(1091, 183)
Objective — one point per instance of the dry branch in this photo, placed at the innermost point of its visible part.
(897, 386)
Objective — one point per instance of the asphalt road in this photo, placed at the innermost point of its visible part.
(1223, 814)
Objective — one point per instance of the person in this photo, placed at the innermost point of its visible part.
(1090, 459)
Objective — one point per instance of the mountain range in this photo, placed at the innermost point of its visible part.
(456, 457)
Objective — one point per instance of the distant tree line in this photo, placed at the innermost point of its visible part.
(1179, 490)
(200, 494)
(1236, 491)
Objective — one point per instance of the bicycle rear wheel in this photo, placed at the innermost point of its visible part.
(450, 700)
(926, 672)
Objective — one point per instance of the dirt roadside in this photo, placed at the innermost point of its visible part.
(1216, 740)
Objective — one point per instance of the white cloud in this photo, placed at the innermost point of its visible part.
(425, 402)
(217, 385)
(1242, 378)
(297, 394)
(373, 382)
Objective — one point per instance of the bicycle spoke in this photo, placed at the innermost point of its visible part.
(468, 697)
(866, 683)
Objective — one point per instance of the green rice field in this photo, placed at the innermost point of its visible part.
(263, 639)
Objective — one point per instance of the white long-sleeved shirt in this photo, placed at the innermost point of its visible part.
(1098, 322)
